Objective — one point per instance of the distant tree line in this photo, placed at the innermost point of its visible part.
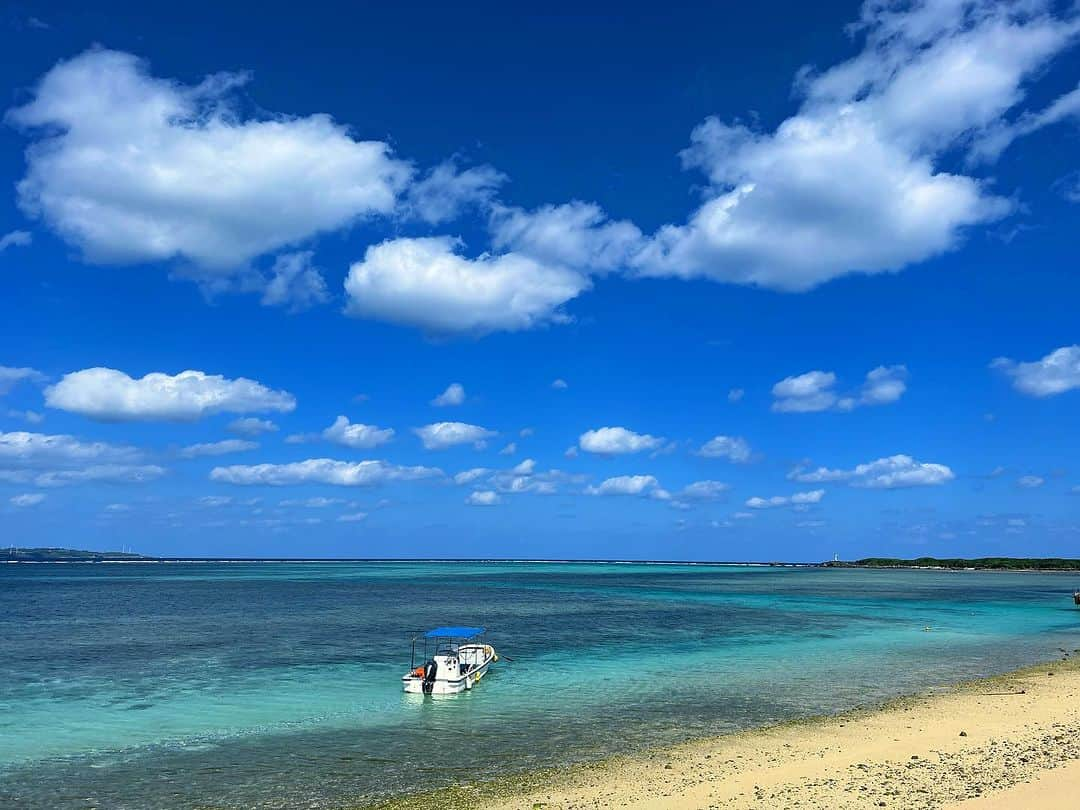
(988, 563)
(14, 554)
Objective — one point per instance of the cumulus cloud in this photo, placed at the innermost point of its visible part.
(883, 385)
(111, 395)
(357, 435)
(851, 182)
(188, 176)
(484, 497)
(251, 426)
(295, 283)
(798, 499)
(58, 460)
(102, 473)
(426, 283)
(559, 385)
(1030, 481)
(807, 392)
(1056, 373)
(577, 235)
(468, 476)
(38, 449)
(893, 472)
(816, 391)
(441, 435)
(15, 239)
(704, 490)
(321, 471)
(445, 192)
(352, 517)
(640, 485)
(221, 448)
(29, 499)
(735, 395)
(617, 441)
(509, 449)
(733, 448)
(10, 377)
(453, 395)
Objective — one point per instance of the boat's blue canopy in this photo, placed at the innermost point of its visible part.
(454, 632)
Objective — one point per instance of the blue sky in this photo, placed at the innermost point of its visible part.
(689, 283)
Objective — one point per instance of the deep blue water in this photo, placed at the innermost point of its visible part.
(277, 684)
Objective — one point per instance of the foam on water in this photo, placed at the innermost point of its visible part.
(271, 685)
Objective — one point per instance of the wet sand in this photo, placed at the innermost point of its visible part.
(1011, 741)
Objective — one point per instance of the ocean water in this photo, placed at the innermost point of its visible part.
(272, 685)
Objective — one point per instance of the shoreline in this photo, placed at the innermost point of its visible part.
(1009, 740)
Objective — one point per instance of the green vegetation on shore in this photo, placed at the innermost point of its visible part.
(13, 554)
(984, 563)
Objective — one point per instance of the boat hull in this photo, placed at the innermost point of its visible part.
(483, 656)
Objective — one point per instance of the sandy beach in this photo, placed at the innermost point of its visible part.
(1011, 741)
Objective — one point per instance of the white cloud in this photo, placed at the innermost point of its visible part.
(295, 283)
(356, 435)
(251, 426)
(1030, 481)
(444, 192)
(453, 395)
(352, 517)
(883, 385)
(15, 239)
(39, 449)
(629, 485)
(215, 501)
(103, 473)
(33, 417)
(217, 448)
(321, 471)
(425, 283)
(576, 235)
(991, 144)
(893, 472)
(804, 393)
(10, 377)
(509, 450)
(526, 467)
(733, 448)
(188, 177)
(29, 499)
(468, 476)
(617, 441)
(798, 499)
(559, 385)
(815, 391)
(484, 497)
(311, 503)
(1056, 373)
(110, 395)
(849, 184)
(440, 435)
(735, 394)
(526, 432)
(704, 490)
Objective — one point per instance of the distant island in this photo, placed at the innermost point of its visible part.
(13, 554)
(978, 563)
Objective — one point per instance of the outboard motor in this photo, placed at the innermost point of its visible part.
(431, 669)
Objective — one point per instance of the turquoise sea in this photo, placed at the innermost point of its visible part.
(239, 685)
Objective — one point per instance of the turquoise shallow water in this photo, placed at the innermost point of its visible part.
(277, 684)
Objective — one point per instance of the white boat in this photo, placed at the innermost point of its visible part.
(459, 659)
